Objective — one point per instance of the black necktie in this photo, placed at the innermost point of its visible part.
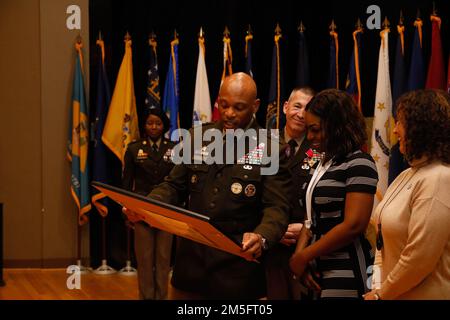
(292, 145)
(155, 147)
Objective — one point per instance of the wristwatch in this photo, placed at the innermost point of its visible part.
(264, 244)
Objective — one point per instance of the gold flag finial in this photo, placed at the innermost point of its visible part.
(249, 30)
(359, 25)
(301, 27)
(127, 36)
(201, 34)
(152, 35)
(79, 40)
(332, 26)
(434, 12)
(386, 23)
(418, 14)
(226, 32)
(401, 19)
(277, 29)
(100, 35)
(175, 34)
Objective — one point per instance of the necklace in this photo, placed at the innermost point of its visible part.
(379, 240)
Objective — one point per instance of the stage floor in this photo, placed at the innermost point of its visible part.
(51, 284)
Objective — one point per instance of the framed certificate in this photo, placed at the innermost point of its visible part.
(175, 220)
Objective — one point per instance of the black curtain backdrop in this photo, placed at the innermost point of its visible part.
(139, 18)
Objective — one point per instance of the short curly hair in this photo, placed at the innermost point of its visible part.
(343, 126)
(425, 115)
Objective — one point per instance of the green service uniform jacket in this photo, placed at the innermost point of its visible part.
(144, 168)
(238, 199)
(280, 283)
(300, 179)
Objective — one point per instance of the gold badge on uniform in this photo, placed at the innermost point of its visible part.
(236, 188)
(194, 179)
(250, 190)
(141, 155)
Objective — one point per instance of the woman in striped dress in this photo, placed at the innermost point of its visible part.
(341, 196)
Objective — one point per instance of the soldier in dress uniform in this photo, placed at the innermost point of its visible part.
(147, 162)
(280, 283)
(247, 206)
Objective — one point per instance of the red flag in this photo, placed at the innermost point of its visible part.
(436, 72)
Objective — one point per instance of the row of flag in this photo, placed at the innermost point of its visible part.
(116, 120)
(385, 148)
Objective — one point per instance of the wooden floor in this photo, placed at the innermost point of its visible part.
(51, 284)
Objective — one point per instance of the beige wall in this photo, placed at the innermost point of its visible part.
(36, 62)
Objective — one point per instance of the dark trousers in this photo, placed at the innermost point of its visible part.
(280, 282)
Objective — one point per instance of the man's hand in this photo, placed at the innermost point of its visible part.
(252, 243)
(131, 215)
(292, 234)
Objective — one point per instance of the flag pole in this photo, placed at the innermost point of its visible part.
(2, 282)
(104, 268)
(82, 269)
(128, 270)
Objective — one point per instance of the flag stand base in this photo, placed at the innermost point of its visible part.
(104, 269)
(83, 269)
(128, 270)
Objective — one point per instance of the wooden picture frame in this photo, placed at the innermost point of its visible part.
(175, 220)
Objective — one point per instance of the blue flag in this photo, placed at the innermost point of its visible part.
(303, 73)
(416, 71)
(397, 163)
(153, 99)
(399, 83)
(100, 168)
(333, 69)
(78, 141)
(171, 98)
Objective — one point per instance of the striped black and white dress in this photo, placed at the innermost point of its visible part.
(343, 272)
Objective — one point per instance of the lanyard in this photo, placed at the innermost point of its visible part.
(318, 173)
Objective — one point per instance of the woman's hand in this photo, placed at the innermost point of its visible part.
(298, 264)
(372, 295)
(308, 280)
(131, 215)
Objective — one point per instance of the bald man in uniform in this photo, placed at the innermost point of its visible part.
(244, 204)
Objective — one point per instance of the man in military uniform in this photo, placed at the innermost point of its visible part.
(245, 205)
(146, 163)
(280, 283)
